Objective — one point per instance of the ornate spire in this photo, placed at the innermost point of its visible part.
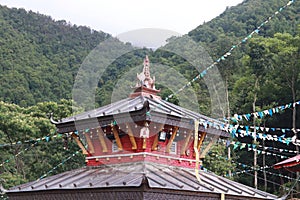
(146, 69)
(145, 85)
(144, 78)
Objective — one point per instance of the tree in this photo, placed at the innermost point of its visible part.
(216, 160)
(25, 158)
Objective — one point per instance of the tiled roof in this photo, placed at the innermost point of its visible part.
(160, 111)
(290, 164)
(157, 176)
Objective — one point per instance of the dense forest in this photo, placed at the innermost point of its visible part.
(40, 58)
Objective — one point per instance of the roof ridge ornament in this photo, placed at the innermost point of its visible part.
(144, 78)
(145, 85)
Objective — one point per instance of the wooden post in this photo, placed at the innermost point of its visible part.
(75, 137)
(264, 166)
(90, 144)
(171, 139)
(229, 157)
(131, 137)
(117, 138)
(102, 140)
(254, 140)
(186, 142)
(222, 196)
(228, 117)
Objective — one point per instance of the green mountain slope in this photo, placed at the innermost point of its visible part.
(39, 56)
(238, 21)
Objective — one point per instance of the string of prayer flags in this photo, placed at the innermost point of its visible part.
(33, 142)
(262, 169)
(267, 129)
(264, 113)
(269, 137)
(244, 171)
(253, 147)
(229, 52)
(16, 155)
(261, 133)
(258, 168)
(54, 168)
(47, 138)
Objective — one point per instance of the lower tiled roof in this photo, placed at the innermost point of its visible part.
(157, 176)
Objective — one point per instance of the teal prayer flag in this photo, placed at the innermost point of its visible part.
(235, 146)
(270, 112)
(259, 151)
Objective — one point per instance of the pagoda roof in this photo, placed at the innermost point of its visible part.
(137, 109)
(156, 176)
(290, 164)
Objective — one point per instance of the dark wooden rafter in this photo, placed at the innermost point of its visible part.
(131, 137)
(117, 138)
(168, 147)
(102, 140)
(89, 141)
(79, 143)
(186, 142)
(155, 143)
(210, 144)
(200, 141)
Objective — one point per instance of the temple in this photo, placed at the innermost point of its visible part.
(141, 147)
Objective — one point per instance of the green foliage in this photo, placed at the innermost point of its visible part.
(238, 21)
(28, 161)
(39, 56)
(274, 63)
(217, 161)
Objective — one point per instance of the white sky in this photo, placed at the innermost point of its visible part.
(119, 16)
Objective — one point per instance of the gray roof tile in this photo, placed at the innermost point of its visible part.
(160, 110)
(132, 175)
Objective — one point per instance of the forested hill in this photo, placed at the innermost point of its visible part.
(240, 20)
(39, 57)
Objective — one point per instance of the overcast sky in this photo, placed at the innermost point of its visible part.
(119, 16)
